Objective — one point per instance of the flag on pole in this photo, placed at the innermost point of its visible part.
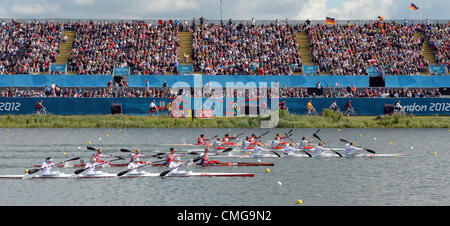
(330, 20)
(413, 7)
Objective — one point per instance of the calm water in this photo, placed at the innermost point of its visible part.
(421, 178)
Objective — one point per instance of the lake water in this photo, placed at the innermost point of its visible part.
(421, 178)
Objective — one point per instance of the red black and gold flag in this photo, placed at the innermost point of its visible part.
(413, 7)
(381, 19)
(330, 20)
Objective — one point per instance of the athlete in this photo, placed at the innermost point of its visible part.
(218, 144)
(305, 142)
(47, 168)
(289, 149)
(319, 148)
(205, 160)
(350, 149)
(201, 140)
(258, 150)
(253, 139)
(171, 162)
(136, 154)
(134, 165)
(226, 139)
(90, 166)
(246, 143)
(98, 154)
(278, 140)
(334, 107)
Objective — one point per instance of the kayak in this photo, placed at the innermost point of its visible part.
(113, 175)
(323, 154)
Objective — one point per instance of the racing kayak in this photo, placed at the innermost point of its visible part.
(305, 155)
(113, 175)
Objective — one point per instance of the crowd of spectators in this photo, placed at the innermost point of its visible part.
(144, 47)
(249, 49)
(439, 38)
(28, 47)
(348, 49)
(245, 48)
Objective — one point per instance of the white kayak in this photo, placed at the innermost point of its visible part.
(113, 175)
(301, 154)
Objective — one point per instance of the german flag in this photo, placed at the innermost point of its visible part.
(381, 19)
(413, 7)
(330, 20)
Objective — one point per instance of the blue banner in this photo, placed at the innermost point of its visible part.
(417, 81)
(310, 69)
(185, 69)
(121, 71)
(220, 106)
(373, 106)
(437, 70)
(60, 68)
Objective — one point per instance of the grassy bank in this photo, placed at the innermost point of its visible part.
(327, 120)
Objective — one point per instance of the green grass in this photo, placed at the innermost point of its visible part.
(328, 119)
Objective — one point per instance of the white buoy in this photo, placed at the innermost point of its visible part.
(279, 183)
(79, 148)
(375, 138)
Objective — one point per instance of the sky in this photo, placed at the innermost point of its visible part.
(235, 9)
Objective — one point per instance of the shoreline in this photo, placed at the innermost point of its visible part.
(329, 120)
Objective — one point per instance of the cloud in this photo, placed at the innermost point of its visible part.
(84, 2)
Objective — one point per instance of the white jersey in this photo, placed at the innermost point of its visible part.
(318, 149)
(288, 150)
(304, 143)
(258, 150)
(91, 169)
(350, 149)
(245, 144)
(217, 143)
(275, 143)
(47, 169)
(132, 166)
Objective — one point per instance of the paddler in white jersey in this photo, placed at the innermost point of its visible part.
(350, 149)
(47, 168)
(90, 166)
(319, 148)
(218, 144)
(246, 143)
(136, 154)
(289, 149)
(305, 142)
(258, 149)
(134, 165)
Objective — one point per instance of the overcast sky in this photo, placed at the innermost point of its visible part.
(235, 9)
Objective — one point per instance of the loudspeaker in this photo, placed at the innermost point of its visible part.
(116, 109)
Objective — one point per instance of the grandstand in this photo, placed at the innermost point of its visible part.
(127, 59)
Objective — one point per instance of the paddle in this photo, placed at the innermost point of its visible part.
(263, 134)
(287, 135)
(78, 171)
(157, 155)
(279, 156)
(236, 136)
(36, 170)
(92, 148)
(315, 135)
(126, 171)
(373, 152)
(196, 159)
